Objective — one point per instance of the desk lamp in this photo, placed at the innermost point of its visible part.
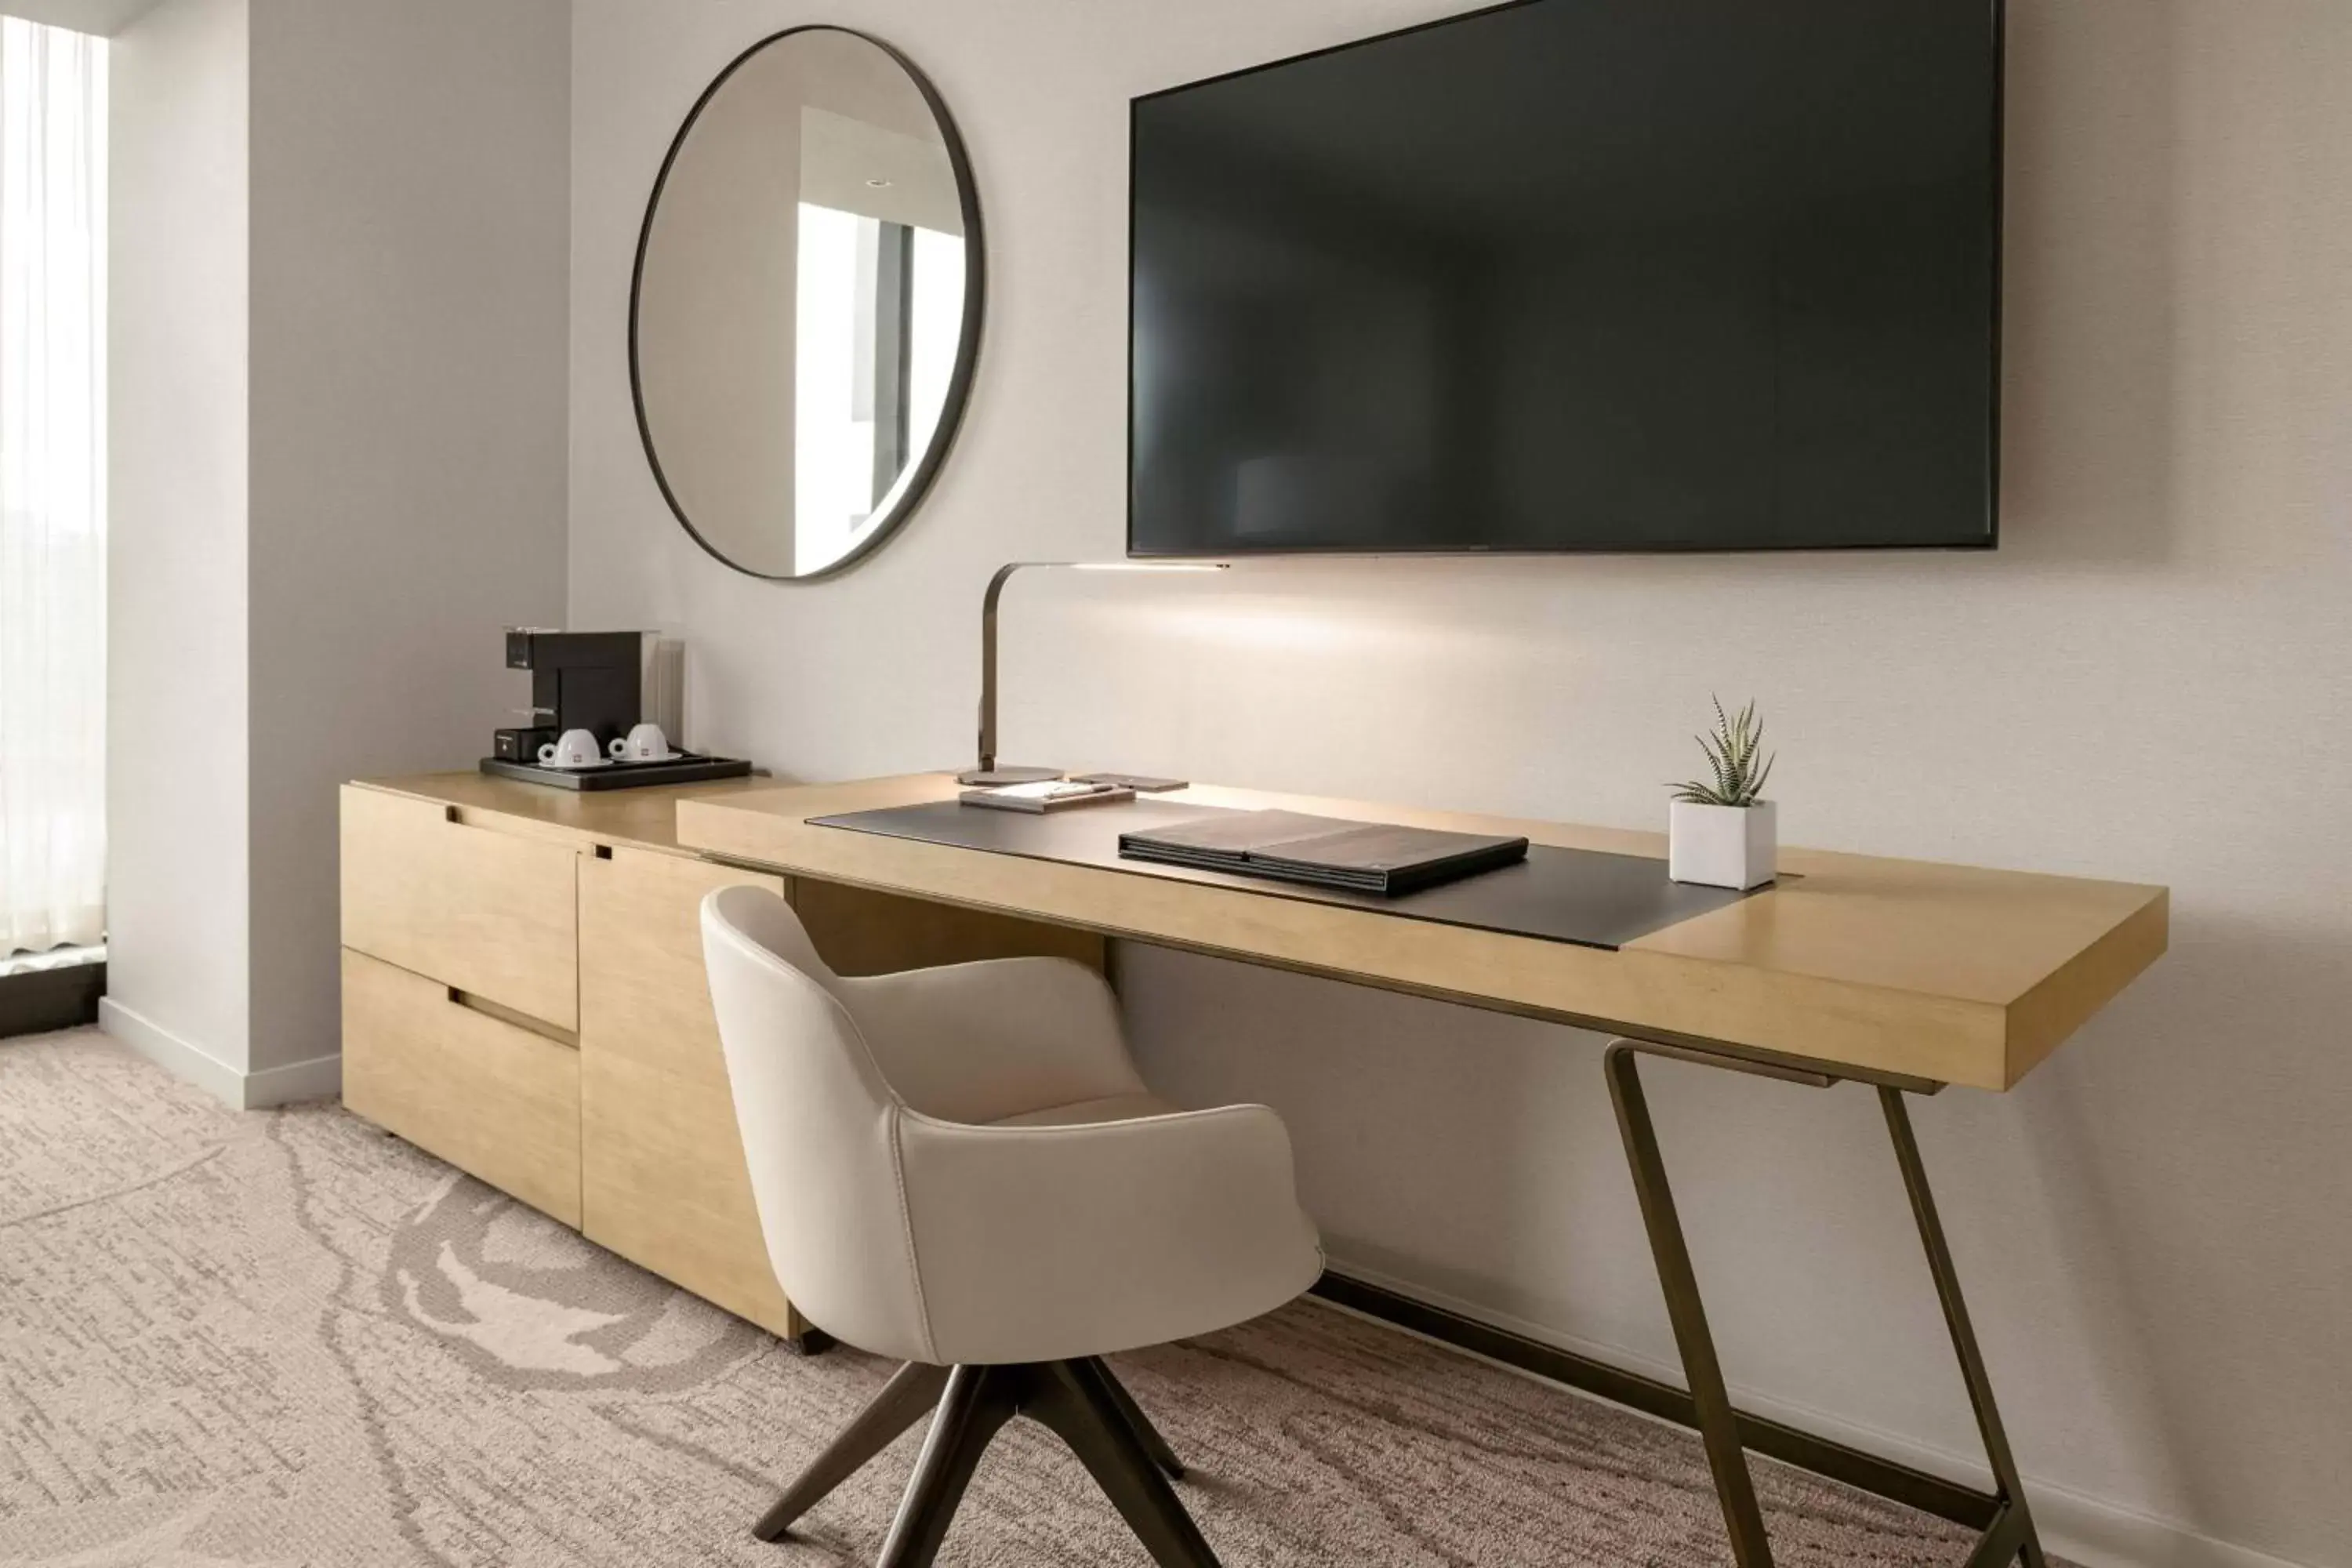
(987, 772)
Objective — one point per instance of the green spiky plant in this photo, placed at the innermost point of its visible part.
(1731, 756)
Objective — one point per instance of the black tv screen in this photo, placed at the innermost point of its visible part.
(1621, 275)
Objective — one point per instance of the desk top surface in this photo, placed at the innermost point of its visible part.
(1954, 974)
(1554, 893)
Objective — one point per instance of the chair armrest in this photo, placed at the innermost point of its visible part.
(1040, 1243)
(976, 1042)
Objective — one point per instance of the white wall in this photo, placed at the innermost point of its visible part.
(2145, 682)
(410, 239)
(176, 677)
(339, 382)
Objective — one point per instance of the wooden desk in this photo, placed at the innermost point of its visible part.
(1904, 974)
(1883, 968)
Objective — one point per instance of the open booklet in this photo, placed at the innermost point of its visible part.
(1048, 794)
(1325, 851)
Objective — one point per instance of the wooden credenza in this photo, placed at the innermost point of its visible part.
(523, 996)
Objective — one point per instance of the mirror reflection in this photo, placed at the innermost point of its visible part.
(806, 303)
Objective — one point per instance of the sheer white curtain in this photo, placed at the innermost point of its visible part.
(52, 487)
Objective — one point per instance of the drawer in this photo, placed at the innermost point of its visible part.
(491, 1098)
(493, 914)
(663, 1179)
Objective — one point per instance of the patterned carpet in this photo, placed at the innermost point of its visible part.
(282, 1338)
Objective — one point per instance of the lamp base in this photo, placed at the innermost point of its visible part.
(988, 778)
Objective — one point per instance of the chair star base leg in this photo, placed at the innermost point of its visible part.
(1081, 1403)
(1153, 1443)
(906, 1399)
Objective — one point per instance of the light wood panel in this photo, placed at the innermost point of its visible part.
(491, 1099)
(662, 1170)
(496, 888)
(1951, 972)
(491, 913)
(858, 930)
(645, 817)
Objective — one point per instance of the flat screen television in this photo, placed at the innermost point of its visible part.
(1576, 275)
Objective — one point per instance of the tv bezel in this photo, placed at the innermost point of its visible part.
(1998, 18)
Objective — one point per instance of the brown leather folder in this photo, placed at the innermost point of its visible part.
(1323, 851)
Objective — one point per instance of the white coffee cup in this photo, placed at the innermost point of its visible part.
(645, 744)
(577, 749)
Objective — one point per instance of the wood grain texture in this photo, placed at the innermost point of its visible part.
(1951, 972)
(647, 816)
(499, 1101)
(496, 887)
(663, 1179)
(488, 913)
(861, 932)
(2066, 998)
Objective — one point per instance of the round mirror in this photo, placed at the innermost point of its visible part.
(806, 305)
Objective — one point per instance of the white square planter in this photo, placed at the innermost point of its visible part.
(1722, 846)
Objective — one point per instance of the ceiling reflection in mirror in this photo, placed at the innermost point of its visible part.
(806, 306)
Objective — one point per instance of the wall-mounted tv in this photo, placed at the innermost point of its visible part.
(1562, 275)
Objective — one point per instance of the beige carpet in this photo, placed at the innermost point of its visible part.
(284, 1338)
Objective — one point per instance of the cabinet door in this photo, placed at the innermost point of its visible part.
(663, 1180)
(493, 914)
(493, 1099)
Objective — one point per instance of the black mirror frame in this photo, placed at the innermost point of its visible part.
(960, 375)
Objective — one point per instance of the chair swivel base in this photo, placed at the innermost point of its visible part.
(1079, 1400)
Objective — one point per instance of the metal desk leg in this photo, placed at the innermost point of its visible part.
(2011, 1534)
(2015, 1517)
(1718, 1423)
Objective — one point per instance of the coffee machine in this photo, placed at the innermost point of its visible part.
(578, 680)
(593, 681)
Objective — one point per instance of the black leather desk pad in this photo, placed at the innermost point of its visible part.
(1587, 897)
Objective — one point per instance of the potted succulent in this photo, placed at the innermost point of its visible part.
(1723, 834)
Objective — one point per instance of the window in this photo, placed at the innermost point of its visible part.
(52, 488)
(881, 312)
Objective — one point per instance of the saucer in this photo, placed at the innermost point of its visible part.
(665, 757)
(580, 767)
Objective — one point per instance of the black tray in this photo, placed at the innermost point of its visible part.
(689, 768)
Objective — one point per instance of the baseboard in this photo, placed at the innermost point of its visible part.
(313, 1078)
(319, 1078)
(175, 1056)
(2086, 1529)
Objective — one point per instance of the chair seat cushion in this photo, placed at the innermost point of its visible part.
(1084, 1113)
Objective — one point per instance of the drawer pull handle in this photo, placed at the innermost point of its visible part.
(510, 1016)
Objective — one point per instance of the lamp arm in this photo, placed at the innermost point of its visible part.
(988, 657)
(988, 604)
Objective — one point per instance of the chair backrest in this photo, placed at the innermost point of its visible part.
(819, 1124)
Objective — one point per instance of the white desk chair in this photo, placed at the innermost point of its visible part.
(960, 1168)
